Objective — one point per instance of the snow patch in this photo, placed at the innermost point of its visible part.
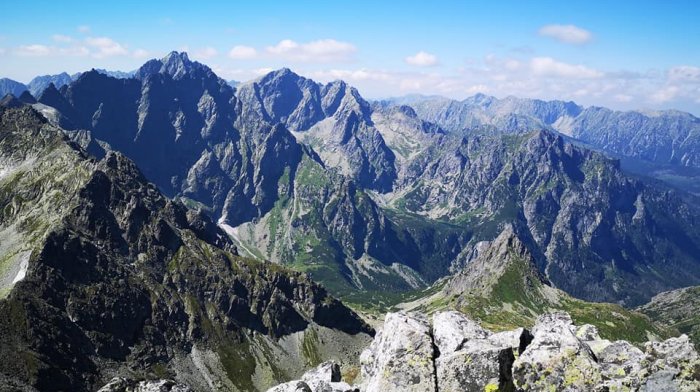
(232, 232)
(23, 265)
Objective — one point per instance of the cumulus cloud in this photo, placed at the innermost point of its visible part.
(106, 47)
(549, 67)
(242, 52)
(84, 29)
(206, 53)
(324, 50)
(569, 34)
(422, 59)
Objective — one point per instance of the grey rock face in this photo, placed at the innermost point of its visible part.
(621, 365)
(401, 357)
(556, 359)
(332, 118)
(452, 330)
(479, 366)
(673, 365)
(469, 360)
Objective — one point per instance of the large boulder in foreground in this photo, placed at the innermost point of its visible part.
(556, 359)
(401, 357)
(469, 360)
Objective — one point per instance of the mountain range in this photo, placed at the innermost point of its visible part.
(165, 224)
(374, 197)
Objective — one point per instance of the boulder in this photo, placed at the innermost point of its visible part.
(517, 340)
(556, 359)
(479, 365)
(621, 366)
(672, 365)
(401, 356)
(452, 329)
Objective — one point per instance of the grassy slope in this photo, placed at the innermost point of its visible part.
(515, 301)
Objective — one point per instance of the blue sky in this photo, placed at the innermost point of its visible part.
(610, 53)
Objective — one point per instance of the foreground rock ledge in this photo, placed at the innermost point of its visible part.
(452, 353)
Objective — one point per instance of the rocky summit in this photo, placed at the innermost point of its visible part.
(450, 352)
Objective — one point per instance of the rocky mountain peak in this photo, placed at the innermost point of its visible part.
(494, 261)
(176, 64)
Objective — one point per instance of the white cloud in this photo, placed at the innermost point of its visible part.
(548, 67)
(665, 94)
(106, 47)
(140, 53)
(686, 73)
(323, 51)
(84, 29)
(422, 59)
(242, 52)
(37, 50)
(2, 51)
(62, 38)
(569, 34)
(206, 53)
(358, 75)
(33, 50)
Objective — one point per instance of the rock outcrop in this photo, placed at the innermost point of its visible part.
(401, 357)
(453, 353)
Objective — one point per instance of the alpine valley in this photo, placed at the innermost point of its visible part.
(163, 230)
